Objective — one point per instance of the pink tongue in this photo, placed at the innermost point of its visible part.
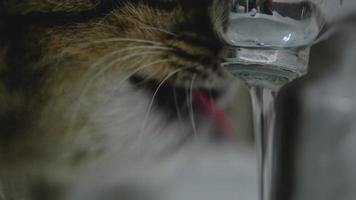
(208, 105)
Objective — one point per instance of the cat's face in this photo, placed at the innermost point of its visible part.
(168, 43)
(113, 82)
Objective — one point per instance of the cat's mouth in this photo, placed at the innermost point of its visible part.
(183, 103)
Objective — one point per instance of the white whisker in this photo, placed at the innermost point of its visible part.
(106, 100)
(179, 115)
(191, 106)
(108, 40)
(90, 81)
(88, 78)
(134, 72)
(147, 27)
(210, 91)
(154, 96)
(109, 65)
(114, 53)
(105, 25)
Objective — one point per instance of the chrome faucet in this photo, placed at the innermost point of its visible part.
(269, 42)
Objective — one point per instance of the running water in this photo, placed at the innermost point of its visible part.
(264, 119)
(269, 42)
(268, 46)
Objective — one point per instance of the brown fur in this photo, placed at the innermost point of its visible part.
(64, 74)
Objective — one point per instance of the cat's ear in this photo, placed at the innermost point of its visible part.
(23, 7)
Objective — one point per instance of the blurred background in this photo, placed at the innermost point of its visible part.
(319, 115)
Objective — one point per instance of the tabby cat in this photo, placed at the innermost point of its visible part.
(95, 91)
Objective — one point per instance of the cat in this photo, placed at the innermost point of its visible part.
(93, 92)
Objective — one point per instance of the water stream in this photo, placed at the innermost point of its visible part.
(269, 44)
(263, 100)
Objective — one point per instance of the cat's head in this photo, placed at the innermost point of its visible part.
(172, 44)
(72, 57)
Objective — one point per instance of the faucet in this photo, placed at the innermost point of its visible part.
(268, 43)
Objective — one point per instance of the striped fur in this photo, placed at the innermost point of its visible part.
(68, 96)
